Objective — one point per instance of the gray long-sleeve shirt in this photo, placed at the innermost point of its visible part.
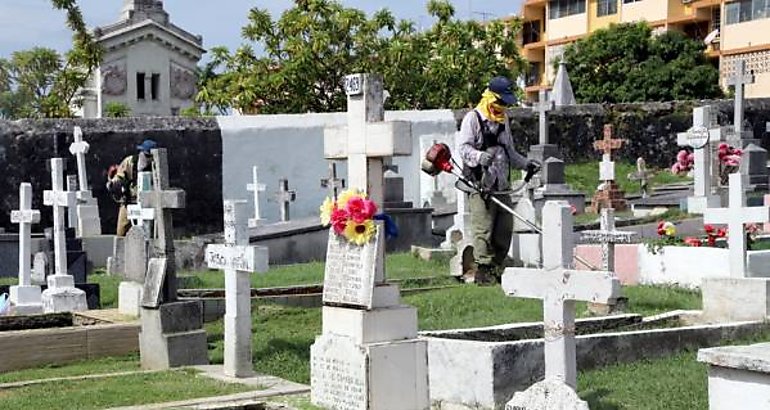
(504, 155)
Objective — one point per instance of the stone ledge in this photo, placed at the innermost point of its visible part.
(755, 358)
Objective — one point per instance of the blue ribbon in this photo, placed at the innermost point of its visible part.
(391, 230)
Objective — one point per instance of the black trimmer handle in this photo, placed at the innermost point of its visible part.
(532, 169)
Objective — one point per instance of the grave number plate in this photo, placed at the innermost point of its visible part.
(354, 84)
(698, 137)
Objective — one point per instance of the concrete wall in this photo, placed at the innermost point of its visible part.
(746, 34)
(569, 26)
(647, 10)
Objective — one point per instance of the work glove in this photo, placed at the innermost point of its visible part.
(533, 166)
(485, 159)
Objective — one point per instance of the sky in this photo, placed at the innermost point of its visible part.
(28, 23)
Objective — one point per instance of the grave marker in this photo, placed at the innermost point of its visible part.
(238, 259)
(607, 236)
(87, 210)
(26, 297)
(256, 188)
(559, 287)
(285, 197)
(739, 80)
(610, 195)
(642, 175)
(698, 137)
(334, 184)
(542, 107)
(154, 283)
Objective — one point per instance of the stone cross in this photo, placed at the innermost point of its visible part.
(735, 216)
(164, 200)
(238, 259)
(137, 213)
(25, 216)
(332, 183)
(542, 107)
(87, 210)
(559, 287)
(607, 236)
(367, 139)
(607, 145)
(256, 188)
(79, 149)
(72, 210)
(59, 199)
(642, 175)
(739, 80)
(285, 197)
(702, 137)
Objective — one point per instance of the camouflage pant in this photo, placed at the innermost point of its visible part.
(492, 228)
(123, 223)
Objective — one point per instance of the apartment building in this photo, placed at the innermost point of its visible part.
(735, 30)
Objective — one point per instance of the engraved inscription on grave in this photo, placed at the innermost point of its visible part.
(339, 376)
(350, 271)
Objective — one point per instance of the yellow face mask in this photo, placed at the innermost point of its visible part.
(489, 107)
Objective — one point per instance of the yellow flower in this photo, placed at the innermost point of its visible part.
(344, 197)
(326, 211)
(360, 234)
(669, 228)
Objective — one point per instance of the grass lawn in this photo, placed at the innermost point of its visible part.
(95, 366)
(584, 177)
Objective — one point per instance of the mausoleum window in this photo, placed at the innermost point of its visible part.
(140, 77)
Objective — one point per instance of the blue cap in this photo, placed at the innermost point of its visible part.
(504, 88)
(147, 146)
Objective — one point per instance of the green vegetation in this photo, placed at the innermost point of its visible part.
(81, 368)
(627, 63)
(584, 177)
(115, 109)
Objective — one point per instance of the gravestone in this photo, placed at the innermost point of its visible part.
(61, 295)
(738, 296)
(26, 297)
(642, 175)
(698, 138)
(609, 194)
(87, 210)
(394, 191)
(238, 259)
(130, 290)
(334, 184)
(255, 187)
(554, 187)
(285, 197)
(544, 149)
(172, 333)
(559, 287)
(368, 355)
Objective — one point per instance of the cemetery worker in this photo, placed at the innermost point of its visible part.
(122, 180)
(488, 154)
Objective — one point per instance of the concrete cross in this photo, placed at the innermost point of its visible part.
(24, 294)
(238, 259)
(739, 80)
(285, 197)
(735, 216)
(164, 200)
(332, 183)
(367, 139)
(79, 149)
(137, 213)
(59, 199)
(256, 188)
(559, 287)
(87, 210)
(542, 107)
(607, 145)
(607, 236)
(642, 175)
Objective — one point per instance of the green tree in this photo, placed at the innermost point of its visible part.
(116, 109)
(308, 51)
(627, 63)
(40, 82)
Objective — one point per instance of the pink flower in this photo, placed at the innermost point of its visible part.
(692, 241)
(339, 220)
(361, 209)
(708, 228)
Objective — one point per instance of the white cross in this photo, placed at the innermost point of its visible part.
(607, 236)
(138, 214)
(542, 107)
(739, 80)
(72, 209)
(334, 184)
(238, 259)
(734, 217)
(256, 188)
(560, 287)
(697, 137)
(79, 149)
(59, 199)
(25, 216)
(366, 140)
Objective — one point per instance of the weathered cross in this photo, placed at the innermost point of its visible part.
(607, 236)
(332, 183)
(164, 200)
(367, 139)
(238, 259)
(542, 107)
(87, 210)
(697, 137)
(285, 197)
(59, 199)
(642, 175)
(735, 216)
(72, 210)
(25, 216)
(256, 188)
(79, 149)
(559, 287)
(138, 214)
(607, 145)
(739, 80)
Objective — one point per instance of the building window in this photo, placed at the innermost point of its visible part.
(140, 86)
(531, 31)
(606, 7)
(155, 86)
(630, 1)
(564, 8)
(532, 77)
(746, 10)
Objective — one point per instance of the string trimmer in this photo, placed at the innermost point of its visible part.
(439, 159)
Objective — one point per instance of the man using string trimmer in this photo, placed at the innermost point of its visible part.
(488, 154)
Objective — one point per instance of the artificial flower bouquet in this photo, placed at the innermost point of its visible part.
(351, 216)
(667, 236)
